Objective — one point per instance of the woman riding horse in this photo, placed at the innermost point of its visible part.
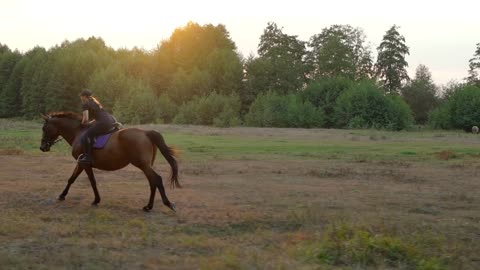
(127, 146)
(102, 124)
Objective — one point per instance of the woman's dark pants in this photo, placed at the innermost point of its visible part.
(97, 128)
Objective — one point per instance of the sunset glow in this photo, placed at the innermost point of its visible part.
(439, 35)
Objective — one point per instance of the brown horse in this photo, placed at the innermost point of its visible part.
(126, 146)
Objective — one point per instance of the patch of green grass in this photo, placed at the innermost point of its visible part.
(229, 259)
(21, 136)
(344, 245)
(247, 226)
(25, 136)
(204, 147)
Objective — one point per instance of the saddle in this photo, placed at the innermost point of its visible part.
(101, 140)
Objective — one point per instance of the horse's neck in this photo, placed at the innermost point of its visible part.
(69, 131)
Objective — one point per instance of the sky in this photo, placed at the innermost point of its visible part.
(440, 34)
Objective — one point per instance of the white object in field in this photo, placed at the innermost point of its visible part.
(475, 130)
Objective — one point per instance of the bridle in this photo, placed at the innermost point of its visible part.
(49, 143)
(52, 142)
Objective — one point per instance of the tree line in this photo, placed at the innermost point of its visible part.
(198, 77)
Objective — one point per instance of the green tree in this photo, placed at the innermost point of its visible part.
(450, 89)
(274, 110)
(226, 71)
(281, 64)
(199, 53)
(391, 63)
(71, 66)
(464, 106)
(459, 111)
(109, 84)
(474, 67)
(8, 60)
(340, 51)
(256, 79)
(186, 86)
(8, 94)
(167, 108)
(34, 82)
(366, 106)
(421, 94)
(3, 49)
(10, 97)
(324, 92)
(139, 105)
(440, 117)
(135, 63)
(213, 109)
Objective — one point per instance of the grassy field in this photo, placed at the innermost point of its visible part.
(252, 199)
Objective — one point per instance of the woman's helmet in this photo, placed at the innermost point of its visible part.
(86, 92)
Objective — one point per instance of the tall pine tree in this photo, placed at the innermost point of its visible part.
(474, 68)
(391, 64)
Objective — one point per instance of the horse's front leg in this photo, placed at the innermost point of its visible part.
(93, 182)
(78, 170)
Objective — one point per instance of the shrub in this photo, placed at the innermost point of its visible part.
(440, 117)
(109, 83)
(324, 92)
(214, 109)
(366, 106)
(273, 110)
(347, 245)
(464, 108)
(399, 113)
(139, 106)
(167, 109)
(460, 110)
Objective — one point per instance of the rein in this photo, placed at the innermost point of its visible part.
(51, 143)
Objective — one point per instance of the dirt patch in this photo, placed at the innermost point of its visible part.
(445, 155)
(227, 210)
(11, 152)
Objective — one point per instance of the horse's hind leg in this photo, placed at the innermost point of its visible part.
(93, 182)
(78, 170)
(153, 188)
(161, 189)
(155, 181)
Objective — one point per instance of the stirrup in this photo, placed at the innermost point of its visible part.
(82, 159)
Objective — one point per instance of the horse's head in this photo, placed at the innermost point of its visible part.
(50, 134)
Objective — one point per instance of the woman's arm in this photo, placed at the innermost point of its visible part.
(85, 117)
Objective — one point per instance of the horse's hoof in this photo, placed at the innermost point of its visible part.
(172, 206)
(147, 208)
(61, 198)
(95, 203)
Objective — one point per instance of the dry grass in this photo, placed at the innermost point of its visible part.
(242, 213)
(10, 152)
(445, 155)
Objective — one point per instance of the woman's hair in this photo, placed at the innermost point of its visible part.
(96, 101)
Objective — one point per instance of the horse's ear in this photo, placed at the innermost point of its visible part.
(45, 117)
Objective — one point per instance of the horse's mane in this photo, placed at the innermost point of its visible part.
(69, 115)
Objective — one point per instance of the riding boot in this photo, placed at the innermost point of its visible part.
(86, 158)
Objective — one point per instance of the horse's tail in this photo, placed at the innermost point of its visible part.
(169, 154)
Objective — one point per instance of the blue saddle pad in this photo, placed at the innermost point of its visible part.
(101, 141)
